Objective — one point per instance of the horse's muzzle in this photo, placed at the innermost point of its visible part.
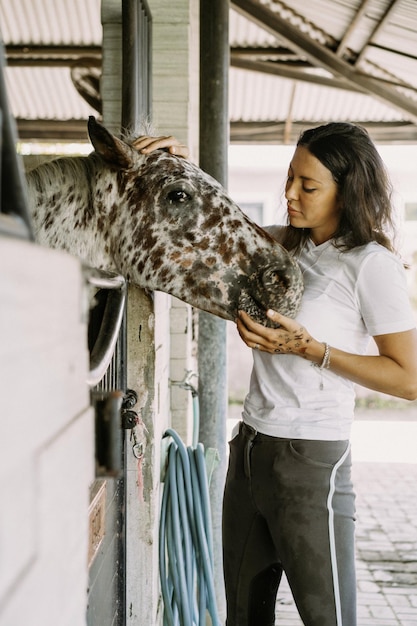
(277, 286)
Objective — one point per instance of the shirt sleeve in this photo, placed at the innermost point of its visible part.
(382, 294)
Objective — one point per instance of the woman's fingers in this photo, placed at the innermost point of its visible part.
(276, 317)
(147, 144)
(252, 339)
(288, 338)
(250, 323)
(270, 334)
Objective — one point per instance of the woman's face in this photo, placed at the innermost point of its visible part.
(312, 196)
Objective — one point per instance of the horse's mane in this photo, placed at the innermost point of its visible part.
(143, 127)
(77, 168)
(70, 168)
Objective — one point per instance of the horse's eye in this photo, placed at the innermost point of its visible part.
(178, 196)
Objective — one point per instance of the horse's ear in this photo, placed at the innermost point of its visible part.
(113, 150)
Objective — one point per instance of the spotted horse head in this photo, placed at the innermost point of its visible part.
(164, 224)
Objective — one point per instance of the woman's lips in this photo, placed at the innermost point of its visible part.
(292, 211)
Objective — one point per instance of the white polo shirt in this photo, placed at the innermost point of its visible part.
(348, 298)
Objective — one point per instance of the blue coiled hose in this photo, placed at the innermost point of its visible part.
(185, 538)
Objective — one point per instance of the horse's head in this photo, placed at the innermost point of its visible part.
(173, 228)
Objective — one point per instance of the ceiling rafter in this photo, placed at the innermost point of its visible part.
(51, 56)
(378, 27)
(284, 54)
(300, 72)
(280, 132)
(294, 73)
(321, 56)
(343, 46)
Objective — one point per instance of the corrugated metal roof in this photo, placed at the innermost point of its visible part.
(246, 34)
(45, 93)
(48, 22)
(368, 46)
(255, 97)
(272, 69)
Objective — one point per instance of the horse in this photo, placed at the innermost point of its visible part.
(164, 224)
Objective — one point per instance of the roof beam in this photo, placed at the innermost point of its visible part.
(51, 56)
(276, 54)
(323, 57)
(240, 132)
(52, 130)
(344, 43)
(294, 72)
(377, 29)
(278, 132)
(283, 71)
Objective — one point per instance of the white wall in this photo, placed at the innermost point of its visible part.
(46, 437)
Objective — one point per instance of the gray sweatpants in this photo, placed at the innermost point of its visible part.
(289, 506)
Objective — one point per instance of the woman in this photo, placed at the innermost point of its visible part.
(289, 502)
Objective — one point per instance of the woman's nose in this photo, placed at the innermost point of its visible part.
(290, 191)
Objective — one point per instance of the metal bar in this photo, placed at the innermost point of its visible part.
(13, 198)
(212, 347)
(136, 101)
(105, 344)
(103, 279)
(130, 63)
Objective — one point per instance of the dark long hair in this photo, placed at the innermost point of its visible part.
(364, 188)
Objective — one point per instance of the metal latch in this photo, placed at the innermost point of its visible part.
(129, 417)
(113, 415)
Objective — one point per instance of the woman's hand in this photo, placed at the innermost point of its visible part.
(289, 338)
(146, 144)
(392, 371)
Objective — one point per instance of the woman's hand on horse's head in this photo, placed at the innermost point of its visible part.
(289, 338)
(147, 144)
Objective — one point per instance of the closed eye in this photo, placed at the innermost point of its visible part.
(290, 179)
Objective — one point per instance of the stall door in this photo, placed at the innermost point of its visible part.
(106, 597)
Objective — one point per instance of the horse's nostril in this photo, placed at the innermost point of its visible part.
(273, 277)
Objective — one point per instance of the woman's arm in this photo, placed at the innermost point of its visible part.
(392, 371)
